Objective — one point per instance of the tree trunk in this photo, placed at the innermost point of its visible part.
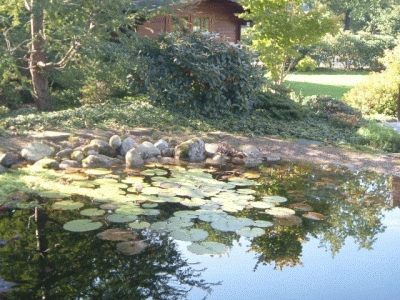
(40, 81)
(347, 19)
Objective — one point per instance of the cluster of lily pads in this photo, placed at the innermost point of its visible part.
(135, 200)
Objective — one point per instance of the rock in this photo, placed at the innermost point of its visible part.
(253, 156)
(161, 145)
(273, 158)
(134, 159)
(115, 142)
(168, 160)
(2, 169)
(192, 150)
(169, 152)
(219, 159)
(67, 164)
(127, 144)
(8, 159)
(102, 147)
(36, 151)
(64, 153)
(148, 150)
(47, 163)
(92, 152)
(238, 161)
(152, 160)
(77, 155)
(99, 161)
(211, 149)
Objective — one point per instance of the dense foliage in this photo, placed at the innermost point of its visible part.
(379, 92)
(280, 26)
(306, 64)
(199, 72)
(361, 50)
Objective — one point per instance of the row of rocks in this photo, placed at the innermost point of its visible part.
(99, 153)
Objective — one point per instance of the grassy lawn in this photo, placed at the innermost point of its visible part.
(324, 81)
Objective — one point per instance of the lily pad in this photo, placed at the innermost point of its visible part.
(131, 248)
(82, 225)
(280, 211)
(133, 180)
(278, 199)
(246, 191)
(121, 218)
(92, 212)
(314, 216)
(190, 235)
(211, 216)
(251, 232)
(262, 223)
(301, 206)
(116, 234)
(149, 205)
(109, 206)
(228, 223)
(67, 205)
(97, 171)
(150, 212)
(186, 213)
(239, 181)
(208, 248)
(139, 225)
(155, 172)
(261, 204)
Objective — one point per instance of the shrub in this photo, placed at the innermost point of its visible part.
(306, 64)
(333, 109)
(379, 136)
(200, 72)
(378, 93)
(361, 50)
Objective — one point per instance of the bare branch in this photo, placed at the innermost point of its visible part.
(27, 6)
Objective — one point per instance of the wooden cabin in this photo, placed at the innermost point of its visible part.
(214, 16)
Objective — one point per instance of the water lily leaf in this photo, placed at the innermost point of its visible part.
(150, 212)
(109, 206)
(149, 205)
(92, 212)
(166, 185)
(280, 211)
(121, 218)
(76, 176)
(239, 181)
(82, 225)
(232, 207)
(155, 172)
(172, 226)
(133, 180)
(53, 194)
(314, 216)
(193, 202)
(210, 191)
(97, 171)
(301, 206)
(226, 224)
(186, 213)
(210, 206)
(246, 191)
(251, 232)
(151, 190)
(262, 223)
(274, 199)
(181, 219)
(131, 248)
(190, 235)
(67, 205)
(32, 204)
(208, 248)
(211, 216)
(130, 209)
(261, 204)
(84, 184)
(245, 221)
(117, 234)
(161, 225)
(139, 225)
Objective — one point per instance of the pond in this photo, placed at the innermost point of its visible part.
(283, 231)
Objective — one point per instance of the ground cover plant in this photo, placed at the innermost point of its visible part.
(283, 118)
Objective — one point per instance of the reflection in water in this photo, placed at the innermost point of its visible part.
(50, 263)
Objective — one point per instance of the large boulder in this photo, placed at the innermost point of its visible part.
(161, 145)
(8, 159)
(66, 153)
(77, 155)
(99, 161)
(67, 164)
(127, 144)
(192, 150)
(36, 151)
(47, 163)
(102, 147)
(253, 156)
(115, 142)
(2, 169)
(134, 159)
(148, 150)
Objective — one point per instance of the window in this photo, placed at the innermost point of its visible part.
(201, 24)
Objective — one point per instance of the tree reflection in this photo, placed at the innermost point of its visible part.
(82, 266)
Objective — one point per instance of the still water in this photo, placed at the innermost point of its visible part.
(284, 231)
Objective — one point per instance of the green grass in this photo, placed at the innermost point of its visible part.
(330, 82)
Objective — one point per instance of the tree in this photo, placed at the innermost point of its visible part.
(280, 26)
(59, 34)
